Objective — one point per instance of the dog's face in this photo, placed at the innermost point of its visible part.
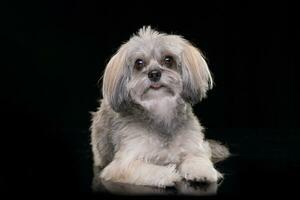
(153, 66)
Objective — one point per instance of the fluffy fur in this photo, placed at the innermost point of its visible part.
(144, 131)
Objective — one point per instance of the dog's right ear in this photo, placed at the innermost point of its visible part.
(196, 75)
(115, 79)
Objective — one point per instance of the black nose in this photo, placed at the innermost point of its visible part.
(154, 75)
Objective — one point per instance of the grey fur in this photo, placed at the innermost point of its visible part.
(120, 99)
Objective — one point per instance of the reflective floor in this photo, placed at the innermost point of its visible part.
(262, 162)
(181, 188)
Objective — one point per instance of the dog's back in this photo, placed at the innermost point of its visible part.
(102, 146)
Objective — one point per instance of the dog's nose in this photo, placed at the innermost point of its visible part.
(154, 75)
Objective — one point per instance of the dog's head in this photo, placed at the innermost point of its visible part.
(152, 66)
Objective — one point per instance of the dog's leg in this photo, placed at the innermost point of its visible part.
(140, 173)
(198, 168)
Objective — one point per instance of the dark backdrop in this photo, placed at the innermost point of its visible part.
(55, 52)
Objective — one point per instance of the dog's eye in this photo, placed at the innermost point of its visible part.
(168, 61)
(139, 64)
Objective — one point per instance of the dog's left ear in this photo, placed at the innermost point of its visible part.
(196, 76)
(115, 81)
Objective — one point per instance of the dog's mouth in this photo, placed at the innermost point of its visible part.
(157, 91)
(156, 86)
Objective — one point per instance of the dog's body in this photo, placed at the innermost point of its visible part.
(144, 131)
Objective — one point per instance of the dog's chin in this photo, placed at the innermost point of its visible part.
(157, 91)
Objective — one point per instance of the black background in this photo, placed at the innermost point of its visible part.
(55, 52)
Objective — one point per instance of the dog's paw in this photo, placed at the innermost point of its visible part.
(168, 177)
(199, 172)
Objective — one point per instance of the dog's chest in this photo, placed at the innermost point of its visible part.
(154, 147)
(163, 151)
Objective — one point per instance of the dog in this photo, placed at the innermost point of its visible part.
(144, 131)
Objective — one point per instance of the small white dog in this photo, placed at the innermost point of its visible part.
(145, 132)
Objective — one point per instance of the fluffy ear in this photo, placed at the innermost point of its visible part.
(195, 74)
(115, 81)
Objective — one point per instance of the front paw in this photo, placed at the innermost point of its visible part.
(168, 177)
(203, 171)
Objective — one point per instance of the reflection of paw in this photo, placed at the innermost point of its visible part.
(194, 188)
(200, 172)
(168, 177)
